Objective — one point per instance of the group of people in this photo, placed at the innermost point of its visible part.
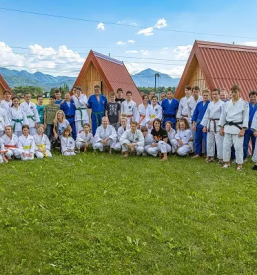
(213, 123)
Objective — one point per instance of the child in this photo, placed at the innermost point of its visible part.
(42, 142)
(119, 97)
(40, 108)
(11, 143)
(4, 120)
(149, 140)
(6, 103)
(153, 111)
(171, 133)
(67, 143)
(121, 130)
(26, 144)
(129, 108)
(84, 138)
(183, 142)
(113, 111)
(142, 110)
(3, 151)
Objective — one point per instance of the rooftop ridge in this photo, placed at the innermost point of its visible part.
(108, 58)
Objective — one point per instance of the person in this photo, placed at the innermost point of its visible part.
(183, 142)
(58, 97)
(200, 135)
(142, 111)
(81, 115)
(40, 108)
(233, 123)
(151, 94)
(182, 108)
(26, 144)
(129, 108)
(254, 129)
(4, 120)
(153, 111)
(67, 143)
(121, 130)
(149, 140)
(192, 101)
(60, 124)
(6, 103)
(84, 138)
(119, 97)
(97, 103)
(69, 109)
(43, 146)
(249, 136)
(105, 136)
(223, 94)
(3, 151)
(30, 110)
(11, 143)
(17, 117)
(170, 107)
(163, 96)
(132, 140)
(113, 111)
(171, 133)
(161, 141)
(210, 126)
(50, 113)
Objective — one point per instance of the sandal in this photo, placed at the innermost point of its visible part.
(225, 166)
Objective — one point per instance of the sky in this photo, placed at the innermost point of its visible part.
(143, 34)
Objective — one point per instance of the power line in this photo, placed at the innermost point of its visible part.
(120, 24)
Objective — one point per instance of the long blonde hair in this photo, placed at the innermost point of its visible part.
(56, 120)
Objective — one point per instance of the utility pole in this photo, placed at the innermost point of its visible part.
(155, 75)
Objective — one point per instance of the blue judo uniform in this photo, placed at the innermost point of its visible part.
(198, 115)
(69, 111)
(169, 109)
(98, 110)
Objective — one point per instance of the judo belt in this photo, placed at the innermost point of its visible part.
(42, 146)
(11, 147)
(184, 115)
(141, 119)
(97, 119)
(215, 125)
(80, 110)
(26, 147)
(231, 123)
(171, 116)
(31, 117)
(17, 121)
(69, 116)
(152, 116)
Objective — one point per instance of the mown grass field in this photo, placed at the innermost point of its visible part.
(103, 214)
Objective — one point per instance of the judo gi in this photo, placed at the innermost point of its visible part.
(4, 120)
(27, 145)
(186, 137)
(129, 110)
(17, 118)
(128, 137)
(170, 108)
(11, 144)
(30, 110)
(43, 143)
(84, 140)
(103, 133)
(68, 146)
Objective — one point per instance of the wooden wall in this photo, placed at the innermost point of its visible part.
(1, 92)
(198, 79)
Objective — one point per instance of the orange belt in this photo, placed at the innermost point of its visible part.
(142, 118)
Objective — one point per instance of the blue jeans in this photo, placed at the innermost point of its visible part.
(199, 137)
(49, 130)
(247, 137)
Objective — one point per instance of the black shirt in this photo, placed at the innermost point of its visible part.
(113, 109)
(120, 100)
(160, 135)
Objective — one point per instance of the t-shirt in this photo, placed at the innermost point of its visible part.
(113, 109)
(58, 102)
(62, 126)
(160, 135)
(50, 111)
(41, 113)
(120, 100)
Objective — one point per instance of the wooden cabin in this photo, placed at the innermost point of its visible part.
(3, 86)
(109, 73)
(218, 65)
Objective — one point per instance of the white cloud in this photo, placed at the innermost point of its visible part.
(164, 50)
(182, 52)
(120, 43)
(161, 23)
(132, 51)
(100, 26)
(8, 57)
(131, 41)
(133, 24)
(147, 31)
(251, 43)
(145, 52)
(121, 22)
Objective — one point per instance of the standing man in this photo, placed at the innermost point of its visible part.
(30, 110)
(223, 94)
(249, 136)
(40, 108)
(58, 97)
(170, 108)
(182, 108)
(119, 97)
(69, 109)
(129, 108)
(233, 123)
(97, 103)
(6, 103)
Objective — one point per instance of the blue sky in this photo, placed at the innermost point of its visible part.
(59, 46)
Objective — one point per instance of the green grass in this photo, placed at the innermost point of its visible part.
(102, 214)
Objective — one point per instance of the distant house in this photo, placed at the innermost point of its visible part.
(3, 86)
(109, 73)
(217, 65)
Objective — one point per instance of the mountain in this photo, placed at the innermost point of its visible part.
(146, 78)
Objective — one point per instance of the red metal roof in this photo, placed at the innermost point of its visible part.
(223, 65)
(4, 84)
(113, 72)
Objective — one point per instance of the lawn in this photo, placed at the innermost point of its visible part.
(103, 214)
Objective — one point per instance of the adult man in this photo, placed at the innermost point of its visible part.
(197, 117)
(233, 123)
(170, 108)
(6, 103)
(129, 108)
(105, 136)
(58, 97)
(223, 94)
(97, 103)
(119, 97)
(40, 108)
(132, 140)
(249, 136)
(182, 108)
(10, 142)
(81, 115)
(69, 109)
(30, 110)
(211, 127)
(153, 111)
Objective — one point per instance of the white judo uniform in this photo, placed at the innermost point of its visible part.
(103, 133)
(2, 151)
(182, 108)
(254, 128)
(142, 114)
(162, 147)
(68, 146)
(4, 120)
(153, 112)
(6, 105)
(128, 138)
(120, 132)
(129, 110)
(210, 121)
(81, 115)
(149, 140)
(27, 145)
(186, 137)
(233, 117)
(43, 143)
(171, 136)
(84, 139)
(30, 110)
(11, 144)
(17, 118)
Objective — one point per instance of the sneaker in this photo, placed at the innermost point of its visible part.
(225, 166)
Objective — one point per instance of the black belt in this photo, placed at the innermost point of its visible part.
(173, 116)
(214, 122)
(70, 116)
(231, 123)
